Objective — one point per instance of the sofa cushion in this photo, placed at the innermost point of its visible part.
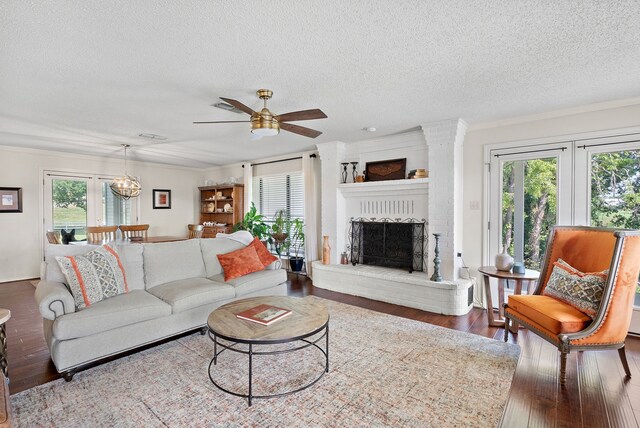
(94, 276)
(581, 290)
(119, 311)
(190, 293)
(254, 281)
(211, 247)
(130, 255)
(172, 261)
(240, 262)
(265, 255)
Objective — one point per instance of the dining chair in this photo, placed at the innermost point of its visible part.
(195, 231)
(134, 231)
(53, 237)
(584, 297)
(101, 233)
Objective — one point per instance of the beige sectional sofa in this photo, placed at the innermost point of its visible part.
(173, 287)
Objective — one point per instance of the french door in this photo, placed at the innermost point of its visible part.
(75, 201)
(592, 181)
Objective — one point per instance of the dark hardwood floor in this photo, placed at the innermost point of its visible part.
(597, 394)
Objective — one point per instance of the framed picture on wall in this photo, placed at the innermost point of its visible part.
(161, 199)
(10, 199)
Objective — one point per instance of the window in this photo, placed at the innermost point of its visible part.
(282, 191)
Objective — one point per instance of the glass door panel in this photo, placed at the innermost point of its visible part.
(529, 195)
(69, 205)
(114, 210)
(615, 192)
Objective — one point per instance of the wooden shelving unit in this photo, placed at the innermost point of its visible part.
(214, 200)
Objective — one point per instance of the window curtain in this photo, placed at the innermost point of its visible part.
(311, 203)
(248, 186)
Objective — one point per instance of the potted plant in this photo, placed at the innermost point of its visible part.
(296, 241)
(280, 230)
(254, 223)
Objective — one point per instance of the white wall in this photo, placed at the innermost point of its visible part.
(21, 234)
(552, 125)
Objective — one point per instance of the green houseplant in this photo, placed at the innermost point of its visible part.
(280, 230)
(296, 241)
(253, 222)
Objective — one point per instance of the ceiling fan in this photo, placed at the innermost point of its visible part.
(264, 123)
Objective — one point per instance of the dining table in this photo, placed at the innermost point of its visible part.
(141, 240)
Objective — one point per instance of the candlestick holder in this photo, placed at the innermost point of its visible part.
(354, 173)
(436, 260)
(344, 171)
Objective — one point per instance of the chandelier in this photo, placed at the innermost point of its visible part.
(126, 186)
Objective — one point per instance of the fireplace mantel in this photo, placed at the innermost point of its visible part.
(395, 186)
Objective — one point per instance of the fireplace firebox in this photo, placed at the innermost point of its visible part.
(390, 243)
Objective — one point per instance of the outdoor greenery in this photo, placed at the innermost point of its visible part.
(539, 207)
(70, 193)
(615, 199)
(615, 189)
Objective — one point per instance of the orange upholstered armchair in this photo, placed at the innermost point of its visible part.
(614, 256)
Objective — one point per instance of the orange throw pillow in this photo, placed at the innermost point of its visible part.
(265, 255)
(240, 262)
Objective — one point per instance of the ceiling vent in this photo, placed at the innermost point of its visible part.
(227, 107)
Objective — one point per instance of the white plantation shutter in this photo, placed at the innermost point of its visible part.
(275, 192)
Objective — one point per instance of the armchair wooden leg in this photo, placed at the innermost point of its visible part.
(563, 367)
(623, 359)
(506, 328)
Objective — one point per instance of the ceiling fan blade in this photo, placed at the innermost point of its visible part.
(307, 132)
(238, 105)
(226, 121)
(301, 115)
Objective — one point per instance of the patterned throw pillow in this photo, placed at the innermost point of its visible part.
(240, 262)
(94, 276)
(581, 290)
(265, 255)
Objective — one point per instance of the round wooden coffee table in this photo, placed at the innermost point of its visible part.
(306, 321)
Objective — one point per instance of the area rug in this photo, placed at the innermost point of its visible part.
(384, 371)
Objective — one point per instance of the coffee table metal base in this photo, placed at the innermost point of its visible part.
(251, 353)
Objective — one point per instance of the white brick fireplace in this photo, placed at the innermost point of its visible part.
(437, 200)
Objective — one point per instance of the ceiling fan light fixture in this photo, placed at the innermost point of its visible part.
(264, 125)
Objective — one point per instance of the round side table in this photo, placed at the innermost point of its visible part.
(488, 272)
(5, 314)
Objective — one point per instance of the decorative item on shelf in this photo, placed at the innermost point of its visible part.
(218, 195)
(360, 178)
(344, 259)
(518, 267)
(211, 207)
(504, 261)
(394, 169)
(344, 171)
(411, 174)
(421, 173)
(125, 186)
(219, 210)
(354, 173)
(326, 250)
(227, 208)
(436, 260)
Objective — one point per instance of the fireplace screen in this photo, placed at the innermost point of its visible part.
(389, 243)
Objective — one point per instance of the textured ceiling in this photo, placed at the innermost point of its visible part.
(86, 76)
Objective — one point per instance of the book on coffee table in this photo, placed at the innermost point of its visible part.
(264, 314)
